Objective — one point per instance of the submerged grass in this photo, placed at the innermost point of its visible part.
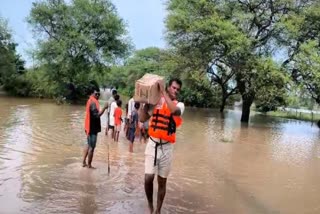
(312, 117)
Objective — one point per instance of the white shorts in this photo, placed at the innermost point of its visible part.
(164, 158)
(111, 120)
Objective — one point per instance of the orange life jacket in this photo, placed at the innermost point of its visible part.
(87, 117)
(163, 124)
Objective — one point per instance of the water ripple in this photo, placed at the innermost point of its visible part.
(220, 165)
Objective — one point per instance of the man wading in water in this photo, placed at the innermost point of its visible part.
(164, 118)
(92, 125)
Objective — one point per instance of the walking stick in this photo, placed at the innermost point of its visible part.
(108, 159)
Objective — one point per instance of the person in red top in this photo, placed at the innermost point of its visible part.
(117, 120)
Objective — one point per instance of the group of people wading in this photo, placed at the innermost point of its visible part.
(163, 118)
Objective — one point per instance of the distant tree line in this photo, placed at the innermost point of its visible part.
(262, 52)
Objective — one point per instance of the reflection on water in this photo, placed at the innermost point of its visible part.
(220, 166)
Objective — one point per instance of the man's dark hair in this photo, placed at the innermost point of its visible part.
(137, 105)
(93, 88)
(94, 85)
(119, 103)
(177, 80)
(114, 92)
(90, 90)
(116, 97)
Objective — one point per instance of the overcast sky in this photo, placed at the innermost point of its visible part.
(143, 17)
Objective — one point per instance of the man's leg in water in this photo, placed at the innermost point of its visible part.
(90, 157)
(114, 134)
(148, 187)
(92, 145)
(162, 186)
(117, 136)
(85, 154)
(112, 130)
(164, 167)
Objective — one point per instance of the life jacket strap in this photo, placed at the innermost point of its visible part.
(156, 149)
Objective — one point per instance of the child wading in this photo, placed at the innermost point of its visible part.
(133, 125)
(117, 120)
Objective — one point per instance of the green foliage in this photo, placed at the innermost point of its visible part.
(197, 91)
(219, 49)
(234, 41)
(77, 40)
(269, 85)
(40, 83)
(296, 115)
(307, 68)
(148, 60)
(11, 64)
(207, 42)
(301, 38)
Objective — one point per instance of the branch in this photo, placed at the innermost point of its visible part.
(215, 77)
(268, 24)
(229, 77)
(295, 51)
(48, 32)
(311, 91)
(233, 91)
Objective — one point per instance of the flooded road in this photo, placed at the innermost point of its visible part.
(220, 166)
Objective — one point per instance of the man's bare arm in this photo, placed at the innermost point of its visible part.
(95, 112)
(143, 113)
(171, 105)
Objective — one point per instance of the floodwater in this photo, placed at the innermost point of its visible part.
(220, 166)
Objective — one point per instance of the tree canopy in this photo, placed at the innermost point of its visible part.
(11, 64)
(262, 51)
(77, 38)
(237, 42)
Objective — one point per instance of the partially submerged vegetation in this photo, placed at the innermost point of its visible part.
(223, 51)
(312, 117)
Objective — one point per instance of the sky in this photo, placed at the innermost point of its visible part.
(144, 19)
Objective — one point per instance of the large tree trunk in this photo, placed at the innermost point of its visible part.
(223, 103)
(246, 109)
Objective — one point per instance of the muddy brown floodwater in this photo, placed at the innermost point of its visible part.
(220, 166)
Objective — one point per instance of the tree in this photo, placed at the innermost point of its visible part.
(269, 86)
(147, 60)
(7, 48)
(197, 90)
(207, 41)
(77, 38)
(237, 38)
(307, 68)
(11, 64)
(301, 39)
(282, 26)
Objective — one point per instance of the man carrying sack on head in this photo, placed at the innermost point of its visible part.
(165, 117)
